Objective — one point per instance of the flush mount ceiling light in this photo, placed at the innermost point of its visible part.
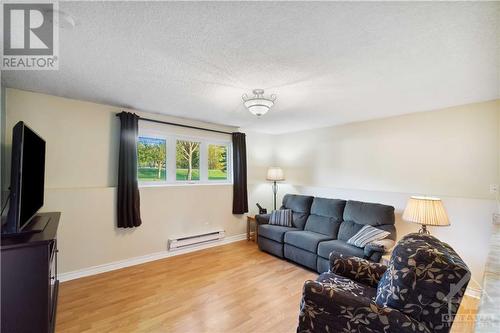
(258, 104)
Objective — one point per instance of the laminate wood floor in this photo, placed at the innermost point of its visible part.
(230, 288)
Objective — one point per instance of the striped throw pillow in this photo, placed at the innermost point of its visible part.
(366, 235)
(281, 217)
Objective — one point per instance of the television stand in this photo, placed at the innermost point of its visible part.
(38, 223)
(30, 283)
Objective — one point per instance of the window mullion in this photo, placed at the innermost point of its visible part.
(229, 163)
(171, 153)
(203, 161)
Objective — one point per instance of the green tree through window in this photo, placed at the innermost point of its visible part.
(187, 160)
(152, 159)
(217, 162)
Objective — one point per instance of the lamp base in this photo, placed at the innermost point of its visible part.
(275, 191)
(424, 230)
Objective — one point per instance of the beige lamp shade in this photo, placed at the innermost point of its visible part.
(426, 211)
(275, 174)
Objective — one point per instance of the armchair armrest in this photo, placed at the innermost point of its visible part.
(329, 308)
(357, 269)
(262, 218)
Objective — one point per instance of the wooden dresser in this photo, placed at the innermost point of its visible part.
(29, 283)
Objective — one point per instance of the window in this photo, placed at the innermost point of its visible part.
(187, 159)
(152, 159)
(197, 160)
(217, 162)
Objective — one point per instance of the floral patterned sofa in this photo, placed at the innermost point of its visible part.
(419, 291)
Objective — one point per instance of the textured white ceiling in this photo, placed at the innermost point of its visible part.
(328, 63)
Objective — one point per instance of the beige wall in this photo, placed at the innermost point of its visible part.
(81, 164)
(452, 153)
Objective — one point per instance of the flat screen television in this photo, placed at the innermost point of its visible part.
(27, 178)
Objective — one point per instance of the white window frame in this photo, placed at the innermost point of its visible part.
(171, 142)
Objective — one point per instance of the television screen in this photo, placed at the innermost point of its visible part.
(32, 176)
(27, 178)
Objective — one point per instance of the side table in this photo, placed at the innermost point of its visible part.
(252, 230)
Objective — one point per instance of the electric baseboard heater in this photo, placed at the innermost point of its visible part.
(179, 243)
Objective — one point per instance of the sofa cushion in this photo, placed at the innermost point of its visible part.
(306, 240)
(322, 225)
(271, 246)
(368, 213)
(299, 220)
(358, 214)
(425, 279)
(274, 232)
(281, 217)
(366, 235)
(298, 203)
(300, 256)
(326, 215)
(333, 208)
(301, 207)
(348, 229)
(325, 248)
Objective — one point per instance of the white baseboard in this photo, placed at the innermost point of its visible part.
(142, 259)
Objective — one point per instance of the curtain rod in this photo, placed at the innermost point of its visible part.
(181, 125)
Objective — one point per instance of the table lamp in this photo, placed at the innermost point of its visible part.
(275, 174)
(426, 211)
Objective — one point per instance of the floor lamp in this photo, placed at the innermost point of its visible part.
(275, 175)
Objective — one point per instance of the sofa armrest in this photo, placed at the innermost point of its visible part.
(262, 218)
(357, 269)
(374, 251)
(328, 308)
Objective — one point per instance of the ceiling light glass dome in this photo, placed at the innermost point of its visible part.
(258, 104)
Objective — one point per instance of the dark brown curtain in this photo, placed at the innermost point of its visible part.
(240, 196)
(129, 214)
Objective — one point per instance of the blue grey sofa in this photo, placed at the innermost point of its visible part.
(322, 226)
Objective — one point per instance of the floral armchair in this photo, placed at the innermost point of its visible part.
(419, 291)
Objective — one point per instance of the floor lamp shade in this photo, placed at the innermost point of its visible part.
(275, 174)
(426, 211)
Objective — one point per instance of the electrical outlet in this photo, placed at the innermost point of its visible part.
(496, 218)
(493, 188)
